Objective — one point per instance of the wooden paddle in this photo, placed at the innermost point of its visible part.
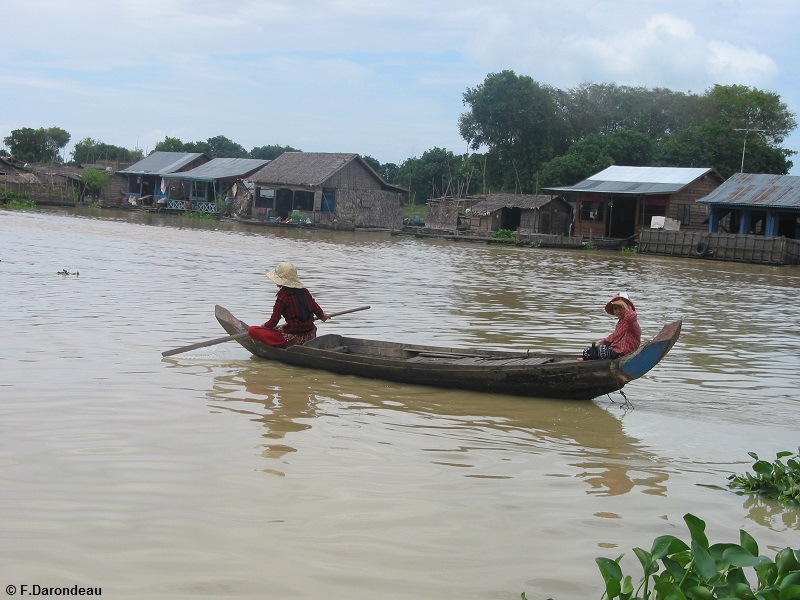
(237, 336)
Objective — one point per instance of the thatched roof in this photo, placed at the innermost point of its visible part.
(495, 202)
(15, 171)
(309, 169)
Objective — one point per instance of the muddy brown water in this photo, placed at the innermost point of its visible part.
(214, 474)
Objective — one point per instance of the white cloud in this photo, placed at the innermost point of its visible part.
(730, 64)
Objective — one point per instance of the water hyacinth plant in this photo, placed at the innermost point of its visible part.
(674, 570)
(504, 234)
(773, 480)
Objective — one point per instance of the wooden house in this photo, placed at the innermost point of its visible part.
(449, 213)
(200, 188)
(329, 188)
(146, 182)
(757, 204)
(15, 172)
(523, 213)
(619, 201)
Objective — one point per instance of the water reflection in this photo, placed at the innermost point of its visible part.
(771, 513)
(451, 429)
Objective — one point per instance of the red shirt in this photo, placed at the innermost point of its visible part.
(627, 335)
(288, 306)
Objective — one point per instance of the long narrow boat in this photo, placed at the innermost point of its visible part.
(542, 375)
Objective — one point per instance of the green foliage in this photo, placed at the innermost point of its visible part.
(438, 172)
(37, 145)
(540, 137)
(589, 246)
(222, 147)
(298, 218)
(774, 480)
(95, 180)
(21, 204)
(517, 119)
(89, 151)
(411, 211)
(270, 152)
(630, 249)
(218, 147)
(389, 172)
(169, 144)
(7, 194)
(196, 214)
(596, 152)
(504, 234)
(675, 570)
(607, 107)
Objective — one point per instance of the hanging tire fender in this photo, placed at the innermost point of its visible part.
(701, 249)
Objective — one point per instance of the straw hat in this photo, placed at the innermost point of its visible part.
(621, 299)
(285, 274)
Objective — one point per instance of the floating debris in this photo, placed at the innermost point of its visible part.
(64, 272)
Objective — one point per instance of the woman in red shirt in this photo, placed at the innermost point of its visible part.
(296, 305)
(627, 335)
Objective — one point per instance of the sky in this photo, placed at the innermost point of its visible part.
(379, 78)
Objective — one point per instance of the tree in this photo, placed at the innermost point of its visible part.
(37, 145)
(743, 107)
(388, 171)
(89, 151)
(94, 180)
(606, 107)
(438, 172)
(270, 152)
(516, 118)
(726, 119)
(217, 147)
(169, 144)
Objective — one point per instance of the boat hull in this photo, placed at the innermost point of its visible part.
(530, 374)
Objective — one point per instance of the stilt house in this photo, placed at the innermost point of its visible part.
(758, 204)
(619, 201)
(329, 188)
(523, 213)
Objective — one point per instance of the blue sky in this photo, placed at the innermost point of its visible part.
(380, 78)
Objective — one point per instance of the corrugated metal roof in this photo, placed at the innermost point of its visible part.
(221, 168)
(161, 163)
(636, 180)
(760, 190)
(494, 202)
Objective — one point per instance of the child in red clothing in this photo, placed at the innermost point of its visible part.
(627, 335)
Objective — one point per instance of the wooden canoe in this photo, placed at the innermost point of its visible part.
(542, 375)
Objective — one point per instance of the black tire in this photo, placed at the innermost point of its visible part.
(701, 249)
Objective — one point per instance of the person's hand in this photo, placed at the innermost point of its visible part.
(325, 316)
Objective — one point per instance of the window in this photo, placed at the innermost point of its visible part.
(684, 213)
(592, 211)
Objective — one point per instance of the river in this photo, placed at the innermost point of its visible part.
(213, 474)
